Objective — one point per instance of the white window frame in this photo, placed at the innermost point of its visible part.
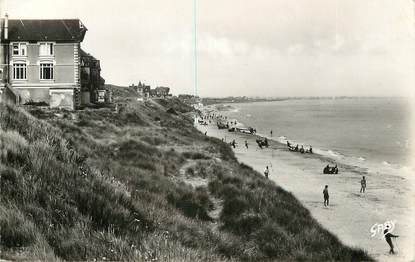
(17, 75)
(51, 65)
(21, 48)
(50, 49)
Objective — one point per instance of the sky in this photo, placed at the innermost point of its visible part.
(245, 47)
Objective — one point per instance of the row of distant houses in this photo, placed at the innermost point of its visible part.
(146, 91)
(41, 61)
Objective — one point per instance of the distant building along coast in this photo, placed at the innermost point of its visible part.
(146, 91)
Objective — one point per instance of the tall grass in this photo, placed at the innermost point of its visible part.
(106, 185)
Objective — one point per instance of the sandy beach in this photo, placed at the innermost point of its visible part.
(351, 214)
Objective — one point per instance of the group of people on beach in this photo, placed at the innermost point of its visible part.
(297, 149)
(222, 125)
(330, 170)
(263, 142)
(202, 122)
(213, 116)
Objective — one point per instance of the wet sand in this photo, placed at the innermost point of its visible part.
(351, 214)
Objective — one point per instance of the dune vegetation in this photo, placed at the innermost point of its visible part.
(138, 182)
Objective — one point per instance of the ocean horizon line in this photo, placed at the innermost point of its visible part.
(301, 97)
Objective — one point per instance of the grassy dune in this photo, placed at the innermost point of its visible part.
(138, 182)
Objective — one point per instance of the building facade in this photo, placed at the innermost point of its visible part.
(162, 91)
(40, 61)
(146, 91)
(142, 89)
(92, 84)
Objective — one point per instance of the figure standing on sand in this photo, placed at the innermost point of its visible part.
(326, 195)
(233, 143)
(363, 185)
(388, 238)
(246, 144)
(271, 133)
(266, 172)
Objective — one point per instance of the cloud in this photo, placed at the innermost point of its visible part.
(295, 49)
(272, 47)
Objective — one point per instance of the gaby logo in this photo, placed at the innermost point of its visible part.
(378, 229)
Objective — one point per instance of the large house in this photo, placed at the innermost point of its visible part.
(40, 62)
(146, 91)
(92, 84)
(162, 91)
(142, 89)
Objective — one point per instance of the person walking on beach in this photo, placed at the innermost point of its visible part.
(246, 144)
(266, 172)
(326, 195)
(271, 132)
(363, 185)
(388, 238)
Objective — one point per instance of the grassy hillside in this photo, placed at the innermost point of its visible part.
(138, 182)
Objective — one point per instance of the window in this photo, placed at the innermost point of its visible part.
(46, 71)
(15, 49)
(19, 71)
(20, 49)
(46, 49)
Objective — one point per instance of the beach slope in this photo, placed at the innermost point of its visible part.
(356, 218)
(137, 182)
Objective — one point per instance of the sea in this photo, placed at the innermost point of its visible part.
(372, 133)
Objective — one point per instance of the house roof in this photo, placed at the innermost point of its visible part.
(57, 30)
(89, 60)
(163, 88)
(86, 55)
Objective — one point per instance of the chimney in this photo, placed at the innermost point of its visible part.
(6, 27)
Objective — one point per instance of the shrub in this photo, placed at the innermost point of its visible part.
(243, 224)
(234, 206)
(229, 191)
(273, 241)
(132, 117)
(224, 149)
(190, 172)
(12, 147)
(138, 154)
(15, 229)
(195, 155)
(193, 204)
(154, 140)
